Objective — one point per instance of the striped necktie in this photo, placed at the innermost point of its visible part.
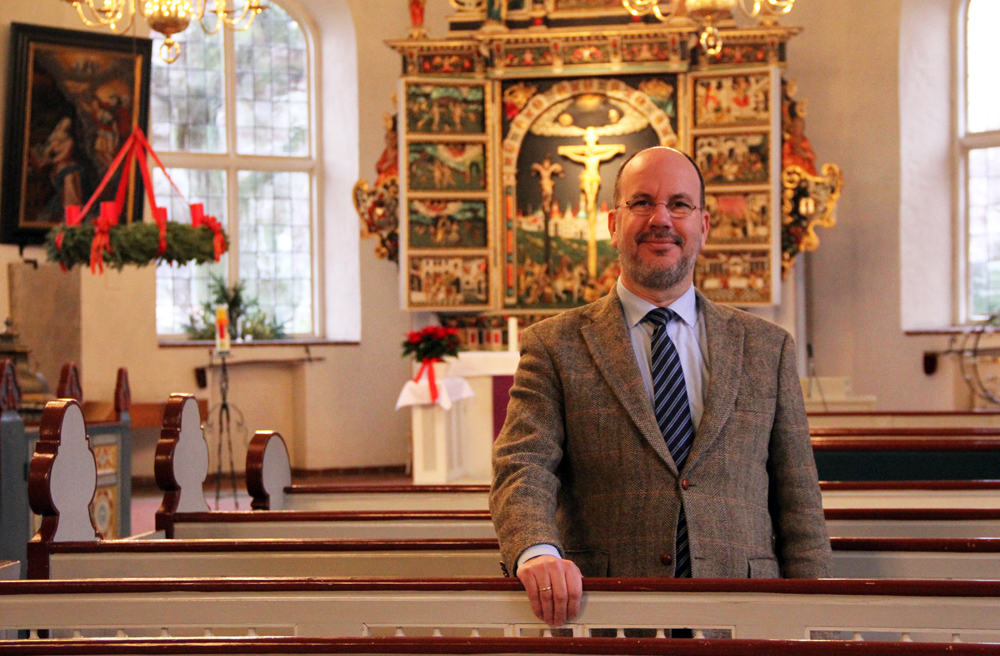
(673, 414)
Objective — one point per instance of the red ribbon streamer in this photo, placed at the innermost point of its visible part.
(102, 238)
(428, 366)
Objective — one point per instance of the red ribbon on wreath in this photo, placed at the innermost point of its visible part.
(199, 218)
(428, 366)
(135, 150)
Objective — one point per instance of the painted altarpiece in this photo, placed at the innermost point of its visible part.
(511, 138)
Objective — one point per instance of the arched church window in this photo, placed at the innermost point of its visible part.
(232, 120)
(979, 145)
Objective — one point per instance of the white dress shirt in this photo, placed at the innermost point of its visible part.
(688, 336)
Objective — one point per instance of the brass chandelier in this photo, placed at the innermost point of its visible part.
(708, 13)
(168, 17)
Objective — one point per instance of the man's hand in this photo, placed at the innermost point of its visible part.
(554, 587)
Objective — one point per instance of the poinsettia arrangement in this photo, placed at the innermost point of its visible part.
(431, 343)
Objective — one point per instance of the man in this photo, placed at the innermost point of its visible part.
(607, 401)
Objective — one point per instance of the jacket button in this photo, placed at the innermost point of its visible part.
(666, 559)
(684, 483)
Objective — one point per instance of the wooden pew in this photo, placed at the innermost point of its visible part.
(913, 522)
(268, 479)
(746, 609)
(909, 453)
(916, 558)
(481, 646)
(911, 494)
(65, 546)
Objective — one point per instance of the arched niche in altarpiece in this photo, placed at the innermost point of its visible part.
(510, 141)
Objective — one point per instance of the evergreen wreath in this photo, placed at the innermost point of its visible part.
(133, 243)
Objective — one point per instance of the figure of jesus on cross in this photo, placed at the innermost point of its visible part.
(591, 155)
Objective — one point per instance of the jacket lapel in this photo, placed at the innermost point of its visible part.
(725, 361)
(610, 346)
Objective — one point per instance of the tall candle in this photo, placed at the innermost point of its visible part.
(222, 343)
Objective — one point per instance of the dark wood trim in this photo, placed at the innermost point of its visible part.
(908, 413)
(903, 444)
(10, 389)
(69, 383)
(845, 486)
(123, 393)
(374, 470)
(252, 517)
(269, 545)
(339, 488)
(914, 514)
(260, 499)
(940, 545)
(896, 432)
(448, 645)
(866, 587)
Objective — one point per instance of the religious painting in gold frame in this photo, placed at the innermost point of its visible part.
(734, 136)
(446, 190)
(562, 143)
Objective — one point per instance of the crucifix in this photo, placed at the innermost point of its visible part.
(591, 155)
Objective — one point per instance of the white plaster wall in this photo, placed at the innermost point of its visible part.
(339, 412)
(334, 413)
(847, 64)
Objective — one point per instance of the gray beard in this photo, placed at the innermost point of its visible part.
(653, 278)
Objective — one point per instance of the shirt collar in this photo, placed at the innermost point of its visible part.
(636, 308)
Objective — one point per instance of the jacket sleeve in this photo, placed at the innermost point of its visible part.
(527, 454)
(796, 505)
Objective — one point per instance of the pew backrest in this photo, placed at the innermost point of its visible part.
(484, 646)
(163, 559)
(745, 609)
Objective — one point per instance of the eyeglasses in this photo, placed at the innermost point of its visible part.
(643, 208)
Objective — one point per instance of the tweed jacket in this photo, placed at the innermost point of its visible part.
(581, 464)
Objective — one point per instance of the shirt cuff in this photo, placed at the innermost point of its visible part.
(535, 551)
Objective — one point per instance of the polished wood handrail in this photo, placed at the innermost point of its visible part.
(327, 488)
(252, 516)
(881, 486)
(926, 545)
(873, 587)
(485, 645)
(913, 514)
(263, 545)
(905, 432)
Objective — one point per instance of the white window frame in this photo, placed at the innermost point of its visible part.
(231, 163)
(965, 142)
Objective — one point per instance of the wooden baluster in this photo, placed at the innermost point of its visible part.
(906, 637)
(399, 632)
(699, 634)
(436, 633)
(621, 633)
(475, 633)
(660, 633)
(857, 636)
(955, 637)
(547, 633)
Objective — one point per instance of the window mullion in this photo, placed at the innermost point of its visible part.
(232, 188)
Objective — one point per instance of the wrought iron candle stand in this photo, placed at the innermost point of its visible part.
(222, 428)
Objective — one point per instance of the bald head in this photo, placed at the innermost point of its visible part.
(654, 152)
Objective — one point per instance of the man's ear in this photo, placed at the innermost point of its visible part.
(613, 227)
(704, 227)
